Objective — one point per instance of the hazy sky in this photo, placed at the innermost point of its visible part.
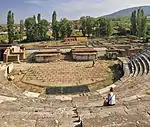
(72, 9)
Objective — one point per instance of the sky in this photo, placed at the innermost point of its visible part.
(71, 9)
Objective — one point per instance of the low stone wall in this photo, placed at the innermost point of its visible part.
(67, 90)
(84, 56)
(14, 58)
(46, 58)
(65, 57)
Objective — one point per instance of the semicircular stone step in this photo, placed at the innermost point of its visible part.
(130, 68)
(137, 66)
(147, 61)
(134, 67)
(145, 64)
(147, 57)
(141, 65)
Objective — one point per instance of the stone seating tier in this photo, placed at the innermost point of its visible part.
(139, 64)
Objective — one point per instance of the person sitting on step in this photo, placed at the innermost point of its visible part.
(110, 101)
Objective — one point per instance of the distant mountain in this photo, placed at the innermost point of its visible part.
(128, 11)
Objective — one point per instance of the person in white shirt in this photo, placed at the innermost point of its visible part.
(111, 97)
(110, 100)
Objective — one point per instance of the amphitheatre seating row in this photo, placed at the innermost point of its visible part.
(132, 68)
(138, 64)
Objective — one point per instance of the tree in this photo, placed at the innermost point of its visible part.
(16, 35)
(69, 28)
(141, 24)
(83, 25)
(38, 27)
(30, 26)
(43, 29)
(39, 18)
(89, 25)
(54, 18)
(133, 23)
(10, 26)
(21, 29)
(103, 27)
(122, 30)
(36, 31)
(65, 28)
(144, 27)
(109, 28)
(55, 27)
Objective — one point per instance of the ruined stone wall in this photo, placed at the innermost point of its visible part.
(14, 58)
(84, 57)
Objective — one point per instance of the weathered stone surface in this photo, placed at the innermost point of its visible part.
(17, 123)
(31, 94)
(5, 98)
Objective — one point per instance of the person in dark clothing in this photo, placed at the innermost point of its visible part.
(93, 63)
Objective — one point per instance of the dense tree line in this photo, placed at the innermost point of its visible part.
(36, 28)
(62, 28)
(95, 27)
(13, 33)
(103, 27)
(139, 23)
(89, 26)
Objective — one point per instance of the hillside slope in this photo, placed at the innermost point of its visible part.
(127, 12)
